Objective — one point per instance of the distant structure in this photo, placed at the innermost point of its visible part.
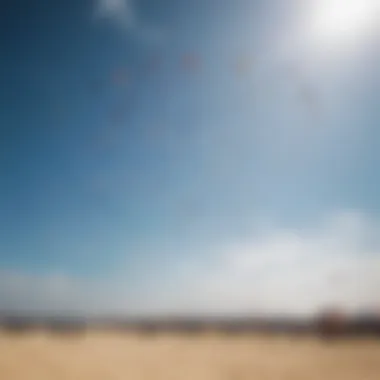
(17, 325)
(66, 326)
(367, 324)
(332, 324)
(148, 329)
(329, 325)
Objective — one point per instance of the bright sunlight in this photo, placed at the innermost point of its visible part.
(342, 22)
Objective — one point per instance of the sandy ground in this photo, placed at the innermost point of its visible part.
(106, 356)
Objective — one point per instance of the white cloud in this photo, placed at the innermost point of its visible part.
(292, 272)
(295, 272)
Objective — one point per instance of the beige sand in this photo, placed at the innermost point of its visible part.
(111, 356)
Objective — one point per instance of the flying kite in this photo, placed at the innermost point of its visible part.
(309, 99)
(118, 115)
(243, 65)
(120, 77)
(306, 92)
(152, 64)
(190, 62)
(95, 86)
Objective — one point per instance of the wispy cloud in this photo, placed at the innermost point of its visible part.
(123, 14)
(119, 11)
(282, 271)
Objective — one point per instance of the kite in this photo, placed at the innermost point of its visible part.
(189, 211)
(152, 64)
(118, 116)
(95, 86)
(120, 77)
(310, 100)
(190, 62)
(59, 113)
(306, 93)
(243, 65)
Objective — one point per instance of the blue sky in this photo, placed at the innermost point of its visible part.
(189, 189)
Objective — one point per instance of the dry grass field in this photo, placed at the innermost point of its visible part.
(111, 356)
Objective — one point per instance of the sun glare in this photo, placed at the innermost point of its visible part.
(341, 22)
